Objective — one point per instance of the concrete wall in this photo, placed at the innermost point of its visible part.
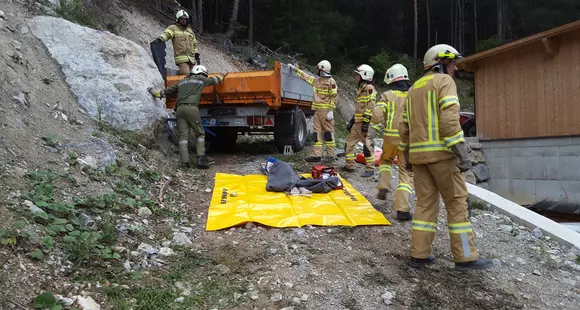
(530, 170)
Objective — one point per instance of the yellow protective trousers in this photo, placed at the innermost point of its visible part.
(354, 137)
(405, 186)
(324, 130)
(442, 177)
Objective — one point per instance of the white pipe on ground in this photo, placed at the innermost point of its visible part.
(526, 217)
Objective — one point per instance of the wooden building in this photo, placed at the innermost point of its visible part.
(529, 88)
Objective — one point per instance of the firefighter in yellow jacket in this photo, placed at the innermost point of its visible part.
(184, 43)
(432, 139)
(386, 118)
(366, 96)
(323, 104)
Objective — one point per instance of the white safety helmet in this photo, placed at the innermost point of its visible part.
(396, 73)
(366, 72)
(324, 65)
(181, 14)
(199, 69)
(439, 54)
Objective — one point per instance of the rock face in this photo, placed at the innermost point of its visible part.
(108, 74)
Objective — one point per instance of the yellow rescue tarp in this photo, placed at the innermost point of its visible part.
(251, 202)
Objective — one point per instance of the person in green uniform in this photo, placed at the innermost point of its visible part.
(187, 112)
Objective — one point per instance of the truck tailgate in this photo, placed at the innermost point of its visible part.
(274, 88)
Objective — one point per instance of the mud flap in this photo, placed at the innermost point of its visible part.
(158, 52)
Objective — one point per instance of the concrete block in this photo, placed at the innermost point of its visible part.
(572, 190)
(549, 190)
(534, 151)
(570, 150)
(527, 168)
(570, 168)
(497, 167)
(498, 152)
(553, 163)
(523, 192)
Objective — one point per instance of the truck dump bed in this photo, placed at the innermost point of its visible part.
(275, 88)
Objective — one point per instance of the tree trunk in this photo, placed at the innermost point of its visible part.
(416, 36)
(233, 19)
(200, 15)
(428, 24)
(193, 19)
(475, 23)
(251, 22)
(500, 26)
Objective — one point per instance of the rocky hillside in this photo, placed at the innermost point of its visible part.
(96, 215)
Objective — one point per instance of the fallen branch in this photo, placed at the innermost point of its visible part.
(162, 190)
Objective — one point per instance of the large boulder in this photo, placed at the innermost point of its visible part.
(108, 74)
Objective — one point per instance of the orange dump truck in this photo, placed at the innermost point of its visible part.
(257, 102)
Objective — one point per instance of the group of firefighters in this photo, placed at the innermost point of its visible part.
(419, 124)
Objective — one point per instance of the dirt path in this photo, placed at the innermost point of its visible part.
(350, 268)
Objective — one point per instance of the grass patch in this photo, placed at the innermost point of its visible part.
(423, 304)
(76, 12)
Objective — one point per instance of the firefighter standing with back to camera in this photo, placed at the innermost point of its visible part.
(184, 43)
(366, 96)
(323, 104)
(387, 114)
(432, 139)
(187, 112)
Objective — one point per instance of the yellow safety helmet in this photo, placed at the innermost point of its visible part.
(366, 72)
(324, 65)
(181, 14)
(439, 54)
(397, 72)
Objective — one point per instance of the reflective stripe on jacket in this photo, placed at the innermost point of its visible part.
(430, 121)
(366, 97)
(184, 43)
(387, 114)
(324, 91)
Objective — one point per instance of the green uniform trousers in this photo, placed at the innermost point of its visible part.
(188, 118)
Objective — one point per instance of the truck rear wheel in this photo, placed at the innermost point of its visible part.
(290, 129)
(224, 140)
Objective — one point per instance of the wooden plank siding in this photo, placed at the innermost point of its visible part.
(526, 92)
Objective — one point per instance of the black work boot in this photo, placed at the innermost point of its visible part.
(202, 162)
(185, 165)
(420, 262)
(367, 174)
(404, 216)
(479, 264)
(382, 194)
(313, 159)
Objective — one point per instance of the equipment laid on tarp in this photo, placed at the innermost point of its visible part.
(239, 199)
(282, 178)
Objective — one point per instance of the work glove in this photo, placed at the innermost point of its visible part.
(158, 40)
(350, 124)
(153, 92)
(461, 152)
(197, 59)
(330, 116)
(364, 127)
